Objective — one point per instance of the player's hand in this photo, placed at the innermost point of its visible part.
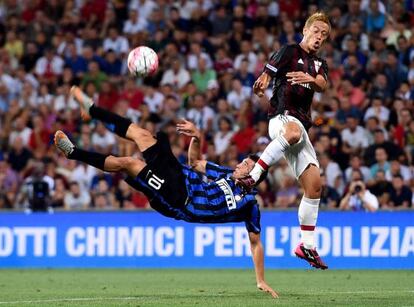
(299, 77)
(188, 128)
(263, 286)
(258, 88)
(261, 84)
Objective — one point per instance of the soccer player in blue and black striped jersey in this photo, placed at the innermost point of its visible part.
(176, 190)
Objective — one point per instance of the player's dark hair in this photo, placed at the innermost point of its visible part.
(262, 177)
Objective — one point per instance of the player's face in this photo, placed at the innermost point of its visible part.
(243, 168)
(315, 35)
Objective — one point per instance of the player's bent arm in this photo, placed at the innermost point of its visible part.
(258, 260)
(194, 155)
(319, 84)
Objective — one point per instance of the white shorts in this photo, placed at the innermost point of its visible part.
(299, 155)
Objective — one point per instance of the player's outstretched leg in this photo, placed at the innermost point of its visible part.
(273, 152)
(121, 126)
(107, 163)
(308, 215)
(89, 110)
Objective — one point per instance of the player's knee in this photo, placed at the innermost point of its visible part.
(127, 163)
(314, 189)
(293, 133)
(139, 133)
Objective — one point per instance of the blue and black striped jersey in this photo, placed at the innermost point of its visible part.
(219, 200)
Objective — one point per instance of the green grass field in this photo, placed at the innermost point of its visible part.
(204, 288)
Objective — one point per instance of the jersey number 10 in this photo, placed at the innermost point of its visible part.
(155, 182)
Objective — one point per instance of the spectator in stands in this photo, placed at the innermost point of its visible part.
(381, 188)
(246, 54)
(220, 21)
(398, 169)
(378, 111)
(203, 75)
(356, 164)
(135, 23)
(393, 151)
(371, 125)
(102, 140)
(381, 158)
(329, 196)
(200, 114)
(119, 44)
(375, 21)
(222, 138)
(288, 193)
(196, 53)
(177, 75)
(401, 195)
(123, 196)
(103, 198)
(49, 67)
(332, 171)
(353, 136)
(238, 94)
(58, 194)
(359, 198)
(94, 75)
(76, 198)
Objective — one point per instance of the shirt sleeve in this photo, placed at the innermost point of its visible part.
(253, 223)
(278, 60)
(214, 171)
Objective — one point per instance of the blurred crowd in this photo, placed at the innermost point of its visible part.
(211, 52)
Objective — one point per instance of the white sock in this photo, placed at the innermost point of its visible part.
(272, 153)
(308, 214)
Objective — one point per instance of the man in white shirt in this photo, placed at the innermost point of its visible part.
(135, 23)
(76, 198)
(238, 94)
(195, 54)
(200, 114)
(20, 130)
(378, 110)
(359, 198)
(246, 54)
(354, 135)
(115, 42)
(144, 7)
(177, 76)
(154, 99)
(49, 65)
(356, 164)
(64, 101)
(332, 171)
(396, 168)
(186, 8)
(102, 140)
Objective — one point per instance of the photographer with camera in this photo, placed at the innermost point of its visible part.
(36, 190)
(359, 198)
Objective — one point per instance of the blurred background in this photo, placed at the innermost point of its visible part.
(210, 54)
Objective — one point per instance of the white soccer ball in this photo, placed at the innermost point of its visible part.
(142, 61)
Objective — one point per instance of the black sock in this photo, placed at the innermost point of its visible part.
(89, 157)
(114, 122)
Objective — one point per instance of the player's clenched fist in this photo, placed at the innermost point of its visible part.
(261, 84)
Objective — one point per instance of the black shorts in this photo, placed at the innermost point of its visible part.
(162, 179)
